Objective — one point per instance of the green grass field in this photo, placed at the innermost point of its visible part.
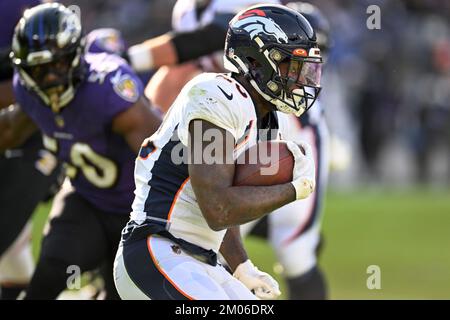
(406, 234)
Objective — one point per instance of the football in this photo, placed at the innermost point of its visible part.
(264, 164)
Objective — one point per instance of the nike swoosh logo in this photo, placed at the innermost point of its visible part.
(229, 96)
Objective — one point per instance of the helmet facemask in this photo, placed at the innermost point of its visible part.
(275, 48)
(288, 77)
(295, 81)
(54, 81)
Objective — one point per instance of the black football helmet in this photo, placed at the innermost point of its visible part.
(47, 50)
(275, 48)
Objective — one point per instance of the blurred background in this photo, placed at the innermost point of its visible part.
(386, 94)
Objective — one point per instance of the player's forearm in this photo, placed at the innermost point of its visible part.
(177, 47)
(232, 248)
(237, 205)
(153, 53)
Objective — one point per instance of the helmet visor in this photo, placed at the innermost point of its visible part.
(300, 81)
(303, 74)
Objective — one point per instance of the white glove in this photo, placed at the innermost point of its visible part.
(304, 175)
(260, 283)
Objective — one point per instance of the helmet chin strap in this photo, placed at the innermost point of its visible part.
(57, 102)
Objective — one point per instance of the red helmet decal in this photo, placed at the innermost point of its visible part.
(251, 13)
(300, 52)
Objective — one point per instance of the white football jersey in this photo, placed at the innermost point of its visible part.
(164, 192)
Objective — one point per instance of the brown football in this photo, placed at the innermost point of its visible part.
(264, 164)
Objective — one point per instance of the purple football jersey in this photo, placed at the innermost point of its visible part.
(11, 12)
(99, 162)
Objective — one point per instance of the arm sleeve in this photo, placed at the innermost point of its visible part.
(207, 39)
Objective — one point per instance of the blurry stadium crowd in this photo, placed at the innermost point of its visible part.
(387, 90)
(394, 85)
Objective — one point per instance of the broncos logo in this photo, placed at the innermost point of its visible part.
(255, 25)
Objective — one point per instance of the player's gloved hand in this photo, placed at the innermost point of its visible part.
(260, 283)
(304, 175)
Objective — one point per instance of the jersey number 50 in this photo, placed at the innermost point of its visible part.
(98, 170)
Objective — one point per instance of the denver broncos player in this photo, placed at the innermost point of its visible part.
(93, 116)
(184, 212)
(294, 231)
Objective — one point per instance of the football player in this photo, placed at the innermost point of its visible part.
(94, 118)
(27, 173)
(184, 212)
(295, 231)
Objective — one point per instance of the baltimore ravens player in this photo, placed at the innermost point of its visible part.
(184, 212)
(27, 173)
(93, 116)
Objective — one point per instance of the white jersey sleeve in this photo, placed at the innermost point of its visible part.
(216, 100)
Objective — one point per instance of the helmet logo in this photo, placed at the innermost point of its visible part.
(256, 25)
